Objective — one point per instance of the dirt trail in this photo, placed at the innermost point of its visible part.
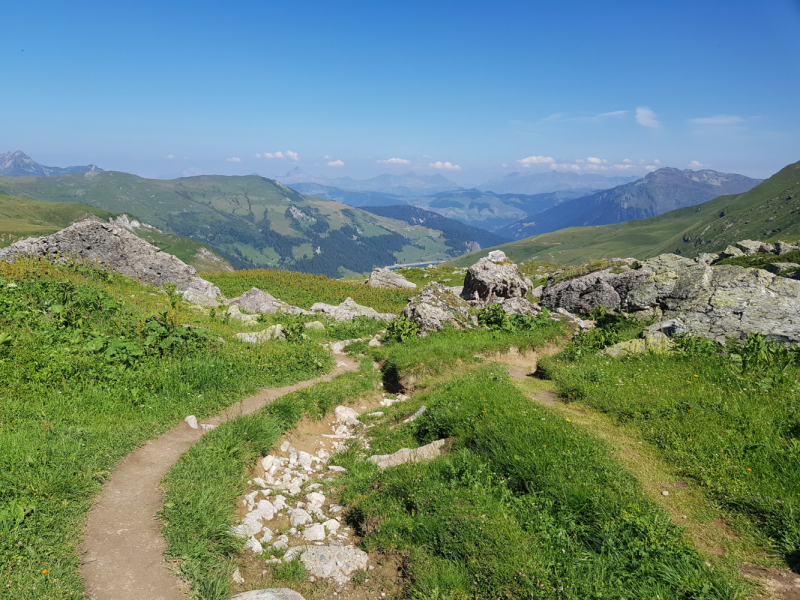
(705, 525)
(122, 549)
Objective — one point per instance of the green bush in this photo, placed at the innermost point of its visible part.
(401, 329)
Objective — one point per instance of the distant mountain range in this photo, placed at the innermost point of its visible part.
(475, 208)
(409, 184)
(257, 222)
(551, 181)
(656, 193)
(19, 164)
(769, 211)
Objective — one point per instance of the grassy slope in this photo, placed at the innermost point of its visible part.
(233, 205)
(71, 407)
(24, 217)
(769, 211)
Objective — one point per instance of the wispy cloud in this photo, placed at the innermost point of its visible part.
(445, 166)
(336, 163)
(170, 156)
(718, 120)
(696, 164)
(614, 113)
(234, 159)
(394, 161)
(646, 117)
(592, 160)
(536, 160)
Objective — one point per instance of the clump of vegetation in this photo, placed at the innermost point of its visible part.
(401, 329)
(91, 365)
(610, 328)
(524, 505)
(567, 273)
(495, 318)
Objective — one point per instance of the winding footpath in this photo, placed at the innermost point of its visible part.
(122, 549)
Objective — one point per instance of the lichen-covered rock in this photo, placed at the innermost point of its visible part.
(667, 262)
(651, 341)
(706, 258)
(435, 306)
(118, 250)
(516, 306)
(497, 256)
(731, 252)
(751, 247)
(777, 267)
(487, 279)
(348, 310)
(389, 279)
(785, 248)
(601, 288)
(256, 301)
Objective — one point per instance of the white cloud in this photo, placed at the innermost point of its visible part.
(170, 156)
(718, 120)
(592, 160)
(336, 163)
(292, 155)
(646, 117)
(426, 156)
(614, 113)
(536, 160)
(658, 162)
(696, 164)
(279, 155)
(234, 159)
(395, 161)
(446, 166)
(627, 161)
(651, 167)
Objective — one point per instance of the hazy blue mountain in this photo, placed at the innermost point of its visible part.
(656, 193)
(409, 184)
(19, 164)
(462, 238)
(351, 197)
(551, 181)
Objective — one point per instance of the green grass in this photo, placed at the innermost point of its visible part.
(732, 428)
(525, 506)
(303, 290)
(202, 489)
(767, 212)
(83, 383)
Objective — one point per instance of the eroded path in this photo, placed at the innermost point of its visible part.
(122, 549)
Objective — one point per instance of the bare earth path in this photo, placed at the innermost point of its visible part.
(122, 549)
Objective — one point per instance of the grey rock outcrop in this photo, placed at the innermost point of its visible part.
(387, 278)
(436, 305)
(256, 301)
(487, 279)
(118, 250)
(348, 310)
(275, 332)
(785, 248)
(405, 455)
(651, 341)
(714, 302)
(515, 306)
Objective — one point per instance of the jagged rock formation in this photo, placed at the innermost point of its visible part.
(715, 302)
(490, 278)
(119, 251)
(349, 309)
(389, 279)
(435, 306)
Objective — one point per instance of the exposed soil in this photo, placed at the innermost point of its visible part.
(778, 583)
(122, 548)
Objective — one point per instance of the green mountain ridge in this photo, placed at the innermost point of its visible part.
(251, 221)
(768, 212)
(22, 218)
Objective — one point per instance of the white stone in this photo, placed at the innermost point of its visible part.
(337, 469)
(267, 535)
(345, 414)
(315, 533)
(497, 256)
(265, 510)
(316, 498)
(260, 482)
(332, 525)
(281, 543)
(332, 562)
(237, 577)
(254, 545)
(285, 446)
(267, 462)
(298, 516)
(191, 421)
(279, 503)
(304, 460)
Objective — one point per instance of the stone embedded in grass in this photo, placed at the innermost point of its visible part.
(191, 421)
(315, 325)
(337, 469)
(316, 498)
(332, 525)
(270, 594)
(237, 576)
(404, 455)
(416, 415)
(275, 332)
(254, 545)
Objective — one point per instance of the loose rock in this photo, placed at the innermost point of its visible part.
(389, 279)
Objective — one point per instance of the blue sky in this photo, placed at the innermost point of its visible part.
(467, 89)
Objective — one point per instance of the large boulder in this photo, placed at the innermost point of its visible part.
(348, 310)
(120, 251)
(435, 306)
(387, 278)
(715, 302)
(257, 301)
(487, 279)
(601, 288)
